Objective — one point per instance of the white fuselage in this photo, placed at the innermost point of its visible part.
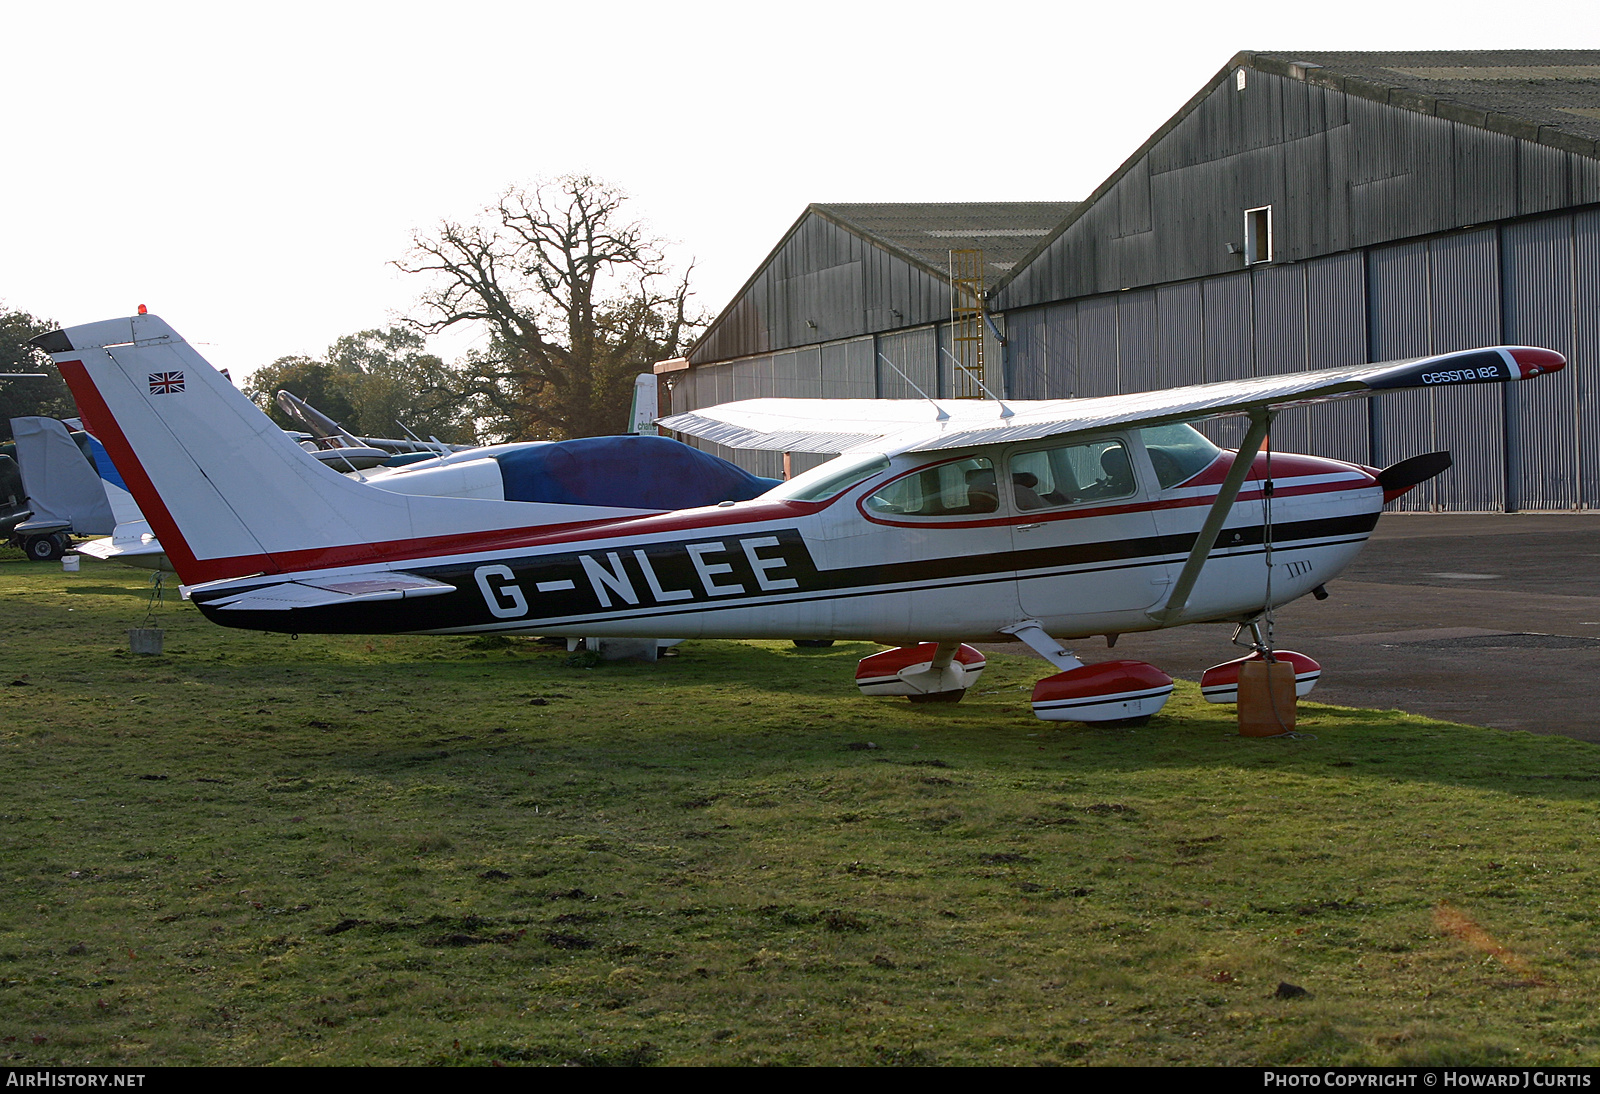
(867, 563)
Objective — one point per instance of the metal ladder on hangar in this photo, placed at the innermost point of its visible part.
(966, 325)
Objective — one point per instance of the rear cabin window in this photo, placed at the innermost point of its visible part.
(1178, 452)
(957, 488)
(1070, 474)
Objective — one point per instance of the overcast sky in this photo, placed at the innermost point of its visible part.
(250, 172)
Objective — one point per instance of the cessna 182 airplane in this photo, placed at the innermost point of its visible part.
(941, 522)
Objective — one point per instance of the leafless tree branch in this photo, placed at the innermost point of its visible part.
(576, 299)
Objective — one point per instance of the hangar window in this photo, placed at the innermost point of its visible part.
(1258, 235)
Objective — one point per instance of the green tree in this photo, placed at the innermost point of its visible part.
(370, 382)
(576, 300)
(317, 382)
(390, 378)
(25, 396)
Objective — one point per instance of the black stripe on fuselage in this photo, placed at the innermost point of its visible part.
(728, 569)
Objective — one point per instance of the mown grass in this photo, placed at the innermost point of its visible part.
(253, 850)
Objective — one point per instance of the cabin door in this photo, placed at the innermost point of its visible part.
(1083, 531)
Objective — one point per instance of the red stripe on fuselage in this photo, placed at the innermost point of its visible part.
(1285, 465)
(612, 528)
(103, 425)
(509, 539)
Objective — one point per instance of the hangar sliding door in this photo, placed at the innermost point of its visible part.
(1468, 422)
(1585, 361)
(1397, 327)
(1536, 259)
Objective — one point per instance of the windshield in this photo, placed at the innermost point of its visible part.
(1178, 452)
(829, 479)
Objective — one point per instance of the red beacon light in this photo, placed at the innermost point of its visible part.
(143, 310)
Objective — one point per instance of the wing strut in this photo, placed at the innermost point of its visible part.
(1260, 421)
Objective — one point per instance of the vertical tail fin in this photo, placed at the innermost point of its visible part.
(642, 416)
(123, 508)
(222, 486)
(60, 483)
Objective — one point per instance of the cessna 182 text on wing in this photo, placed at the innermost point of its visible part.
(941, 522)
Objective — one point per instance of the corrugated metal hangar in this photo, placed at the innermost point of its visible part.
(1302, 210)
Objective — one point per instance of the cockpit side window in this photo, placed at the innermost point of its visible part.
(1069, 474)
(956, 488)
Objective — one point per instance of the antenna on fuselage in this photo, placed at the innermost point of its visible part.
(943, 416)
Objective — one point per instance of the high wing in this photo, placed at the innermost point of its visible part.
(927, 425)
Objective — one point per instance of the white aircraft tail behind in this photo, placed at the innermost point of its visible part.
(642, 415)
(227, 492)
(61, 484)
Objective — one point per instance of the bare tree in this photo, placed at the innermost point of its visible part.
(576, 299)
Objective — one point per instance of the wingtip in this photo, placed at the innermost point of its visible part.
(1535, 360)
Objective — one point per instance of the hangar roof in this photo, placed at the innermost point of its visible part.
(1549, 97)
(1509, 90)
(848, 269)
(926, 231)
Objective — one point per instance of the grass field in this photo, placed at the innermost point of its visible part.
(253, 850)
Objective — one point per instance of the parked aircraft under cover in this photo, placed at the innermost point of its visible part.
(942, 522)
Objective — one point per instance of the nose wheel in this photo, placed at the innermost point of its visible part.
(1265, 684)
(1220, 683)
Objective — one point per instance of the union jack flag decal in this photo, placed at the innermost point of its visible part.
(166, 383)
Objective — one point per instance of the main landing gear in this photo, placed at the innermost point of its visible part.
(47, 548)
(930, 672)
(1114, 692)
(1109, 693)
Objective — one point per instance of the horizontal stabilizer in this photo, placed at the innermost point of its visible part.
(111, 550)
(39, 527)
(339, 589)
